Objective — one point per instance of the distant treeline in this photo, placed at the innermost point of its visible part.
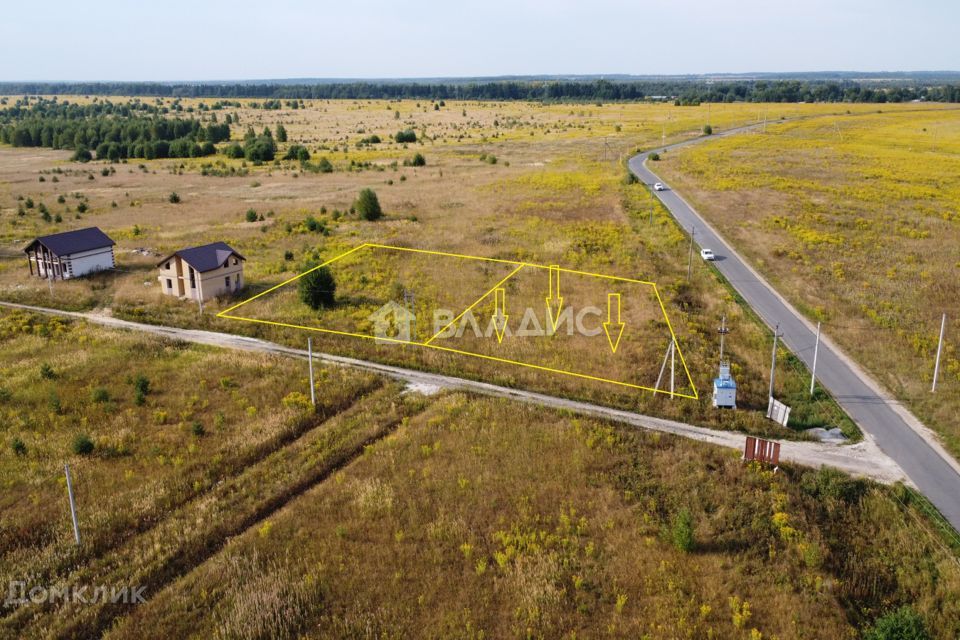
(684, 92)
(114, 131)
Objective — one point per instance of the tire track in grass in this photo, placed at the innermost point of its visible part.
(98, 543)
(198, 530)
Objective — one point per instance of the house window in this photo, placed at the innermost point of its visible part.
(193, 278)
(167, 266)
(235, 262)
(169, 283)
(228, 282)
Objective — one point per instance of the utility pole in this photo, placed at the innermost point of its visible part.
(670, 355)
(936, 364)
(723, 331)
(693, 232)
(813, 370)
(673, 361)
(73, 505)
(773, 358)
(313, 391)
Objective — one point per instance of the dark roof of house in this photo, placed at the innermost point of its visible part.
(70, 242)
(207, 257)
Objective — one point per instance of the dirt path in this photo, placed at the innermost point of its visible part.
(862, 459)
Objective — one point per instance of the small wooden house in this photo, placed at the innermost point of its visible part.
(70, 254)
(202, 273)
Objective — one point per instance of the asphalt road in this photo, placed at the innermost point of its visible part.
(891, 426)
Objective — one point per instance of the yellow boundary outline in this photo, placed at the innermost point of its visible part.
(479, 300)
(520, 265)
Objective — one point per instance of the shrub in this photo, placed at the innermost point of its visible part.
(682, 531)
(318, 289)
(174, 197)
(81, 154)
(47, 372)
(233, 150)
(374, 139)
(19, 447)
(83, 445)
(296, 400)
(324, 166)
(260, 149)
(100, 395)
(418, 160)
(288, 256)
(251, 215)
(297, 152)
(368, 205)
(901, 624)
(407, 135)
(197, 429)
(654, 156)
(53, 401)
(142, 384)
(5, 395)
(707, 130)
(82, 207)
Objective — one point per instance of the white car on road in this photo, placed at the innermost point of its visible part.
(658, 186)
(707, 254)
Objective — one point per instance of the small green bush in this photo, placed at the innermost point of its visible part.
(318, 288)
(654, 156)
(174, 197)
(251, 215)
(47, 372)
(19, 447)
(83, 445)
(100, 395)
(368, 205)
(902, 624)
(682, 531)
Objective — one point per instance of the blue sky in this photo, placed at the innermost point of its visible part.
(240, 39)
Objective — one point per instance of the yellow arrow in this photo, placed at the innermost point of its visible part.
(499, 313)
(614, 330)
(554, 299)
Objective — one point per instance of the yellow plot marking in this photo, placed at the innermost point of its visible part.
(520, 265)
(500, 313)
(554, 299)
(479, 300)
(610, 327)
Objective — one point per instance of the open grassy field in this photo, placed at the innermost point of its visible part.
(515, 181)
(855, 219)
(392, 514)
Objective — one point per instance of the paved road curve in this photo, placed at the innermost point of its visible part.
(897, 432)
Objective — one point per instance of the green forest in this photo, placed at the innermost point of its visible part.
(686, 91)
(132, 129)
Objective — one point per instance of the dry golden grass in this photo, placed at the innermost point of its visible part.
(481, 518)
